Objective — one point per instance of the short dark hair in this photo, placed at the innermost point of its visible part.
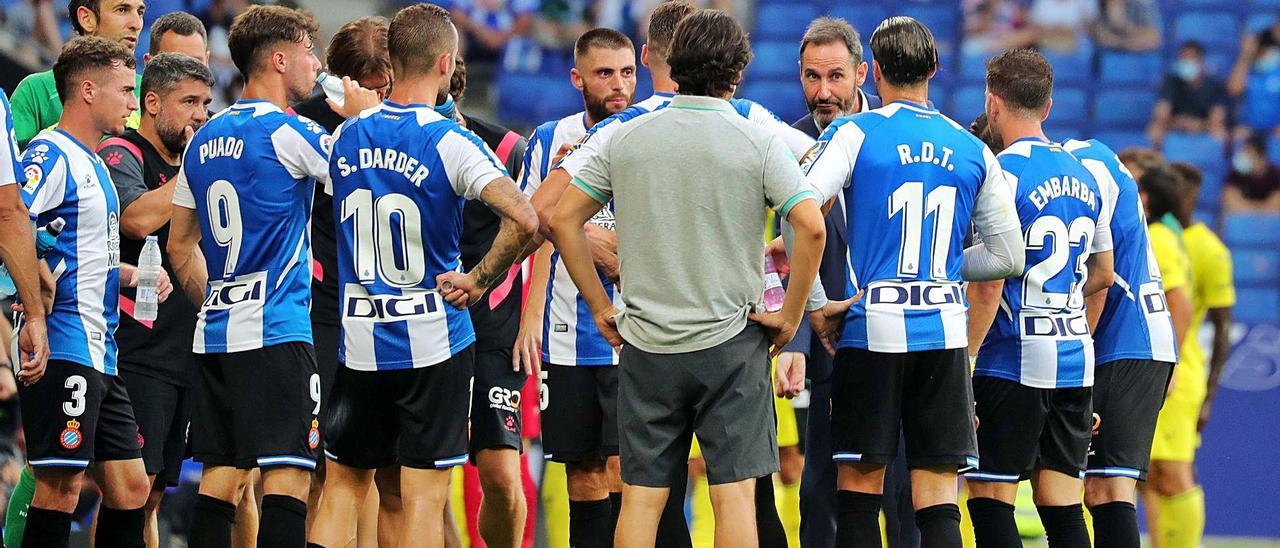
(177, 22)
(359, 49)
(1023, 78)
(905, 51)
(708, 53)
(1162, 185)
(1193, 45)
(74, 6)
(1144, 158)
(167, 70)
(1191, 175)
(601, 38)
(417, 36)
(1257, 141)
(83, 54)
(662, 24)
(458, 83)
(259, 28)
(829, 30)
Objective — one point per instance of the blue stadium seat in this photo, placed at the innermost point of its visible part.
(1257, 22)
(784, 21)
(1062, 130)
(775, 59)
(967, 103)
(943, 19)
(1209, 28)
(1122, 67)
(1206, 153)
(1208, 4)
(1251, 229)
(1257, 305)
(1119, 140)
(1124, 108)
(864, 17)
(554, 98)
(1070, 106)
(973, 66)
(1273, 150)
(1256, 266)
(784, 98)
(1072, 67)
(1263, 5)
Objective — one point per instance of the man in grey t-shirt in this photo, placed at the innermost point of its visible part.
(697, 340)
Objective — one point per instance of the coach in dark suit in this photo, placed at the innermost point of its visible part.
(831, 71)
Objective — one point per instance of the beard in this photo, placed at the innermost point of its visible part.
(173, 137)
(598, 107)
(841, 108)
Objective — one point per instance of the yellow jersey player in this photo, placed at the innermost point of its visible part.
(1176, 501)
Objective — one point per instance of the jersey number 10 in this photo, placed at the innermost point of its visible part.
(381, 228)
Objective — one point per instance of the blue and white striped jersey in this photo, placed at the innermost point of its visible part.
(249, 175)
(401, 176)
(1040, 337)
(569, 333)
(912, 181)
(10, 161)
(65, 179)
(1135, 324)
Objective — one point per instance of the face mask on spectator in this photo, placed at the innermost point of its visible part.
(448, 108)
(1242, 163)
(1187, 69)
(1269, 60)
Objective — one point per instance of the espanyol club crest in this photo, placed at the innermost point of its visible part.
(313, 437)
(71, 438)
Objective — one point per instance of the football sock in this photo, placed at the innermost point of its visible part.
(211, 525)
(1115, 525)
(673, 529)
(120, 528)
(589, 524)
(615, 509)
(993, 524)
(46, 529)
(769, 531)
(939, 526)
(15, 517)
(283, 522)
(1064, 526)
(858, 519)
(1182, 519)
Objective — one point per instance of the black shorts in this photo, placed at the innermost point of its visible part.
(257, 408)
(326, 339)
(1023, 428)
(925, 395)
(579, 413)
(1127, 395)
(75, 415)
(495, 402)
(411, 417)
(163, 410)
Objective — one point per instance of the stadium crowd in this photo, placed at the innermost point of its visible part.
(377, 306)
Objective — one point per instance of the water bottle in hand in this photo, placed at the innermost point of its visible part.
(773, 292)
(46, 238)
(148, 275)
(332, 86)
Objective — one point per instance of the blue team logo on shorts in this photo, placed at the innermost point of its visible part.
(71, 437)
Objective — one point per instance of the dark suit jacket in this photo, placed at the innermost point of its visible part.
(831, 271)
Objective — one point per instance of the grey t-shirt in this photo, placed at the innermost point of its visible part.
(690, 185)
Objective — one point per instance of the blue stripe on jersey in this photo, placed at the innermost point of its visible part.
(1058, 203)
(1132, 326)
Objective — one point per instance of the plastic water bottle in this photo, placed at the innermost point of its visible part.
(332, 86)
(773, 292)
(46, 238)
(148, 275)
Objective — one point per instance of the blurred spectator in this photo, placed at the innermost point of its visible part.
(1256, 79)
(225, 76)
(560, 22)
(1191, 101)
(993, 26)
(1062, 25)
(497, 31)
(1132, 25)
(36, 19)
(1254, 184)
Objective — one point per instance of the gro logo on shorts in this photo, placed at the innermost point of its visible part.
(506, 400)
